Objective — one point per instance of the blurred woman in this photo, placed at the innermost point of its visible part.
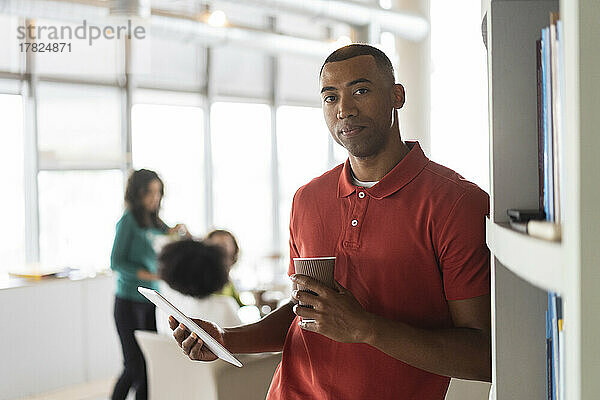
(227, 241)
(134, 260)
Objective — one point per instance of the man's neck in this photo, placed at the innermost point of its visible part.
(371, 169)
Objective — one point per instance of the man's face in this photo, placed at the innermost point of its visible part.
(358, 103)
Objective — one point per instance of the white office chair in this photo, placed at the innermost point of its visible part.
(468, 390)
(172, 375)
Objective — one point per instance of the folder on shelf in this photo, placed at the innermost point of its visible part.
(550, 347)
(554, 115)
(547, 125)
(550, 93)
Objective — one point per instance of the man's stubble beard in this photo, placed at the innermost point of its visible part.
(366, 148)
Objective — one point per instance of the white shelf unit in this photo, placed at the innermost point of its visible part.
(524, 268)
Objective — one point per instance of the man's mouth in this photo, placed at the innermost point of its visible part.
(351, 130)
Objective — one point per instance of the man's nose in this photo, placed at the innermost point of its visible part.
(346, 108)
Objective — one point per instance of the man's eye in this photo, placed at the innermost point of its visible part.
(361, 91)
(329, 99)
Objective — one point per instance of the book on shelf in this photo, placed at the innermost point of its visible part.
(540, 125)
(550, 138)
(554, 348)
(562, 393)
(547, 126)
(550, 88)
(549, 388)
(554, 110)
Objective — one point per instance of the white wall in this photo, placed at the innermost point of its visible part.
(414, 72)
(57, 333)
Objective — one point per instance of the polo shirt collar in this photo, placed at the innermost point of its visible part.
(404, 172)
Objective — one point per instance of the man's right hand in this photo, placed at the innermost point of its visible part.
(191, 344)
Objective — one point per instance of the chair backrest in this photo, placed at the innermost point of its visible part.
(468, 390)
(171, 374)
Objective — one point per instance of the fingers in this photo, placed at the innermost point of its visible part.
(197, 352)
(305, 312)
(200, 352)
(180, 334)
(339, 287)
(173, 323)
(307, 298)
(311, 284)
(192, 341)
(189, 342)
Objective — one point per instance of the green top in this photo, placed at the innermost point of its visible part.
(230, 290)
(132, 250)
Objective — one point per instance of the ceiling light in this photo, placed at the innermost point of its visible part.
(386, 4)
(217, 18)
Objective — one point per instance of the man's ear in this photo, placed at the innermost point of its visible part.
(398, 96)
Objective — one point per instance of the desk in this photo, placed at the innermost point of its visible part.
(56, 333)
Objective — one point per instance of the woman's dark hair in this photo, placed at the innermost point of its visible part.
(223, 232)
(137, 187)
(193, 267)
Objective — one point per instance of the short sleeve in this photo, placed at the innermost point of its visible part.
(293, 249)
(464, 256)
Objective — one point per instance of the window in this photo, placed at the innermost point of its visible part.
(459, 122)
(241, 142)
(169, 140)
(79, 125)
(12, 251)
(299, 79)
(302, 155)
(239, 71)
(101, 59)
(11, 59)
(173, 63)
(78, 214)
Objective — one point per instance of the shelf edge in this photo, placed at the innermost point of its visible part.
(537, 261)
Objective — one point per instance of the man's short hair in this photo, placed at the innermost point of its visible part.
(193, 267)
(359, 49)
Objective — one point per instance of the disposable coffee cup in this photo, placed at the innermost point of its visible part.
(320, 268)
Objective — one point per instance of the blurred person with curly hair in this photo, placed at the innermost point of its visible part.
(195, 271)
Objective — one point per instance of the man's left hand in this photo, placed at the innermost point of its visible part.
(336, 313)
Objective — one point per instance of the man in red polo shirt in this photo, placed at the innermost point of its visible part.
(411, 307)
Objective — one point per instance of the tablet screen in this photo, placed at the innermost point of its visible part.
(210, 342)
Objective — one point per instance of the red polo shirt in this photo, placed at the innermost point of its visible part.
(404, 248)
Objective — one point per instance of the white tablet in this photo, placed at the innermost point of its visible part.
(210, 342)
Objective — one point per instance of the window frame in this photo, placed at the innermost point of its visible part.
(26, 84)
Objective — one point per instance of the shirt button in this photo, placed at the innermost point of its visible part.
(354, 222)
(361, 195)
